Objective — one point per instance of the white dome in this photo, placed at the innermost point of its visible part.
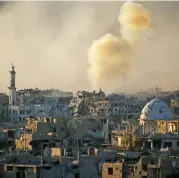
(156, 109)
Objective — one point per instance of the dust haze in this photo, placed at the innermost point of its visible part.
(48, 42)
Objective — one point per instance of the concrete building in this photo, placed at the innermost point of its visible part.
(4, 102)
(80, 103)
(25, 165)
(88, 132)
(46, 125)
(119, 107)
(146, 166)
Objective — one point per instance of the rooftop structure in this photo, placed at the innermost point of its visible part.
(156, 109)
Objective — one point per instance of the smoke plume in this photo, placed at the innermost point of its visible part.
(110, 56)
(47, 42)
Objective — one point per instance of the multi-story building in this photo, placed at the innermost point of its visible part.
(140, 167)
(90, 95)
(4, 101)
(116, 107)
(48, 93)
(111, 106)
(80, 103)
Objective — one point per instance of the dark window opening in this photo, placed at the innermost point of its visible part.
(20, 174)
(54, 130)
(167, 144)
(9, 168)
(177, 144)
(110, 171)
(77, 175)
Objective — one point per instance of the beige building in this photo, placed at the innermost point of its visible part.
(112, 170)
(25, 165)
(148, 166)
(46, 125)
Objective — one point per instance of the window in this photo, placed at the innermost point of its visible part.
(54, 130)
(167, 144)
(177, 144)
(77, 175)
(110, 171)
(9, 168)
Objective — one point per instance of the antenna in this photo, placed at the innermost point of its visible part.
(12, 66)
(157, 92)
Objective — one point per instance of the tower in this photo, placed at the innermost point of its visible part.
(12, 88)
(157, 90)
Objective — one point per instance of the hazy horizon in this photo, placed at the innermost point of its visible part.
(48, 42)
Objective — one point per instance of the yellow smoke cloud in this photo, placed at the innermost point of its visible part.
(135, 22)
(106, 58)
(109, 56)
(134, 16)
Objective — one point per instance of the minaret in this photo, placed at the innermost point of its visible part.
(12, 88)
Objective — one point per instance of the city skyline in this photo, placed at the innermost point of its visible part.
(151, 89)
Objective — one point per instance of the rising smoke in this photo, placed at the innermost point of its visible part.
(47, 42)
(109, 57)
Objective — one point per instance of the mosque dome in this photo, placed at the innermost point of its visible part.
(156, 109)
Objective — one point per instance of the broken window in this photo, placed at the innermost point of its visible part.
(110, 171)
